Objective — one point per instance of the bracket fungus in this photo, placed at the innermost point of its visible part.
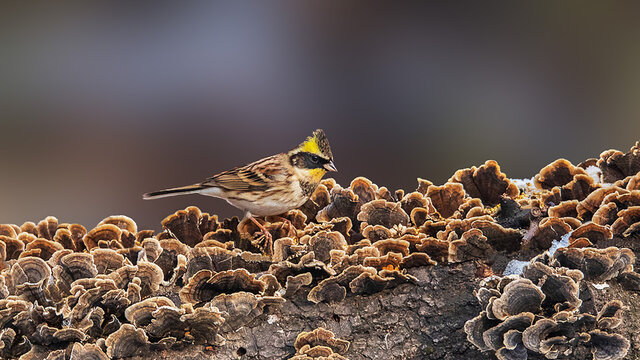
(204, 285)
(334, 289)
(323, 242)
(306, 263)
(392, 246)
(116, 291)
(87, 352)
(416, 200)
(382, 212)
(564, 209)
(596, 264)
(548, 230)
(365, 189)
(616, 165)
(472, 245)
(294, 283)
(593, 232)
(140, 313)
(320, 337)
(240, 308)
(558, 173)
(499, 237)
(625, 219)
(446, 198)
(189, 225)
(105, 234)
(343, 203)
(540, 311)
(127, 341)
(317, 201)
(486, 182)
(204, 324)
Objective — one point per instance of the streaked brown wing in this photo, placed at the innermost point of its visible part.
(255, 176)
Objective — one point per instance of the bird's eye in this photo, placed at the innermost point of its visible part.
(315, 159)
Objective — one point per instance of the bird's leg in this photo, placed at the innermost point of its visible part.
(267, 234)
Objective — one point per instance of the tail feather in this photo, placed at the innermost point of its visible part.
(183, 190)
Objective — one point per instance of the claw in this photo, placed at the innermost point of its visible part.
(267, 235)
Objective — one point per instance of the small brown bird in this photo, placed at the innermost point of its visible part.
(269, 186)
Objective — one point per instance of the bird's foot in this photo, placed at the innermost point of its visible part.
(268, 239)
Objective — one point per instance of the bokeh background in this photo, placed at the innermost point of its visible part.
(100, 103)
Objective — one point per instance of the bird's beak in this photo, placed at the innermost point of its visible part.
(330, 166)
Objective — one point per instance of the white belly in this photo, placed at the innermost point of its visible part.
(264, 207)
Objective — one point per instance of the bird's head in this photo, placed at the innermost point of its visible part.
(313, 156)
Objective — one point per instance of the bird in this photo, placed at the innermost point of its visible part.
(269, 186)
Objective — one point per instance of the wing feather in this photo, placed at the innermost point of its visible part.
(257, 176)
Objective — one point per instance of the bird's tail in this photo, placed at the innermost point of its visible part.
(183, 190)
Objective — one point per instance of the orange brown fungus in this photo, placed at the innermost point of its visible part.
(344, 202)
(472, 245)
(185, 225)
(558, 173)
(487, 183)
(420, 215)
(616, 165)
(364, 189)
(423, 186)
(565, 208)
(382, 212)
(579, 243)
(626, 218)
(539, 311)
(578, 188)
(446, 198)
(549, 229)
(592, 202)
(593, 232)
(634, 182)
(437, 250)
(115, 290)
(318, 200)
(499, 237)
(606, 214)
(320, 337)
(105, 232)
(204, 285)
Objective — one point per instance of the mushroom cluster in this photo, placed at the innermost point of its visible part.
(541, 311)
(93, 293)
(116, 291)
(319, 344)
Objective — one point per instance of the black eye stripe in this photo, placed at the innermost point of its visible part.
(320, 159)
(309, 160)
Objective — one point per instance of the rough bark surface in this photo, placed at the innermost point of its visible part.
(412, 321)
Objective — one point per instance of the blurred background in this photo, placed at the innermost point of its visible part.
(100, 103)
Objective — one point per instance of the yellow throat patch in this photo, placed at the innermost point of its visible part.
(316, 174)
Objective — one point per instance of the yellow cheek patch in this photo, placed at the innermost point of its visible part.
(317, 174)
(311, 145)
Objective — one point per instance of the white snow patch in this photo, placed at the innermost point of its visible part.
(523, 184)
(488, 279)
(515, 267)
(555, 244)
(594, 172)
(272, 319)
(601, 286)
